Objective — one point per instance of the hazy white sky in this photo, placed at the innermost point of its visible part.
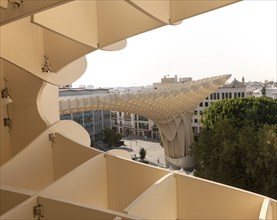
(239, 39)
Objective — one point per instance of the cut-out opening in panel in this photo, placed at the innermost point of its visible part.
(68, 154)
(22, 211)
(110, 22)
(43, 207)
(47, 158)
(26, 123)
(157, 202)
(85, 185)
(59, 209)
(42, 52)
(105, 181)
(198, 199)
(128, 179)
(11, 197)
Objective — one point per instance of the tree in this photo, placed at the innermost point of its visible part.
(241, 154)
(263, 91)
(241, 112)
(111, 137)
(142, 153)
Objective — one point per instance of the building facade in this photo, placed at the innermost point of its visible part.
(271, 91)
(233, 90)
(94, 121)
(133, 124)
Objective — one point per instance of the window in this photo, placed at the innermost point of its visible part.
(230, 95)
(226, 95)
(195, 130)
(143, 126)
(65, 116)
(195, 112)
(218, 95)
(242, 94)
(238, 94)
(211, 96)
(206, 104)
(154, 128)
(201, 112)
(235, 95)
(195, 120)
(250, 93)
(142, 118)
(201, 104)
(222, 95)
(214, 95)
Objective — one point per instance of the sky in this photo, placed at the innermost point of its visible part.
(239, 39)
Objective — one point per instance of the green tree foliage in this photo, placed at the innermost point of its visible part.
(242, 111)
(111, 137)
(142, 153)
(237, 150)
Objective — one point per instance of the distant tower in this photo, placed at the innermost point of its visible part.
(243, 80)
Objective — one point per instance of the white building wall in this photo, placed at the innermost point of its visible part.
(271, 92)
(132, 124)
(222, 93)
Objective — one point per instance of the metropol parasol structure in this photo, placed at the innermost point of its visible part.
(170, 107)
(48, 169)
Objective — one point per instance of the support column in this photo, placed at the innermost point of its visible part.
(177, 136)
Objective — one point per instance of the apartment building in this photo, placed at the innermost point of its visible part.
(94, 121)
(133, 124)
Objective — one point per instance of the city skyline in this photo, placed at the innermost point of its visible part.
(239, 39)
